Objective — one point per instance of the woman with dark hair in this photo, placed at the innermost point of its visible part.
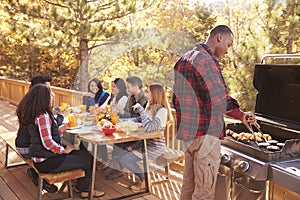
(117, 102)
(95, 95)
(99, 97)
(119, 94)
(46, 150)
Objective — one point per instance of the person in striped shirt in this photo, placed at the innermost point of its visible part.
(154, 118)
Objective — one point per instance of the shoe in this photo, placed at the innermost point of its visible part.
(51, 188)
(140, 186)
(107, 171)
(97, 193)
(99, 165)
(114, 174)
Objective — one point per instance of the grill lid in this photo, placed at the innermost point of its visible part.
(278, 96)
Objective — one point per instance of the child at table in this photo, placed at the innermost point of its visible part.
(154, 118)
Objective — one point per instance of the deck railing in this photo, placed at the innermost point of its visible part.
(14, 90)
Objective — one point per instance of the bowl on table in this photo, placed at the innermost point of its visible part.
(109, 130)
(127, 126)
(88, 123)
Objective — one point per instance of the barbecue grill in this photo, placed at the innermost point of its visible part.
(251, 172)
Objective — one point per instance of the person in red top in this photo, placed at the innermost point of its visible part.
(49, 156)
(201, 100)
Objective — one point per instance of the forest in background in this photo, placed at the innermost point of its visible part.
(76, 40)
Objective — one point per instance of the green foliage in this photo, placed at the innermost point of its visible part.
(280, 21)
(149, 45)
(73, 26)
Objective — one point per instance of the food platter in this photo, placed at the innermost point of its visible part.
(127, 126)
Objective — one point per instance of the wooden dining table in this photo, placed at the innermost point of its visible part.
(96, 137)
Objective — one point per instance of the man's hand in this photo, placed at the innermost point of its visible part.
(248, 120)
(136, 107)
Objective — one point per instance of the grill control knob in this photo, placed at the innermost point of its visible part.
(225, 158)
(243, 166)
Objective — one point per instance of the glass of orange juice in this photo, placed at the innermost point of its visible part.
(73, 120)
(92, 110)
(114, 117)
(108, 108)
(82, 108)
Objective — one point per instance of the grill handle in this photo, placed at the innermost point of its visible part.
(248, 189)
(278, 56)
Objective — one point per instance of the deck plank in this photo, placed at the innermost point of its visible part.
(6, 192)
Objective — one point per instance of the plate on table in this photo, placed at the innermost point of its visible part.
(74, 128)
(127, 126)
(97, 128)
(82, 130)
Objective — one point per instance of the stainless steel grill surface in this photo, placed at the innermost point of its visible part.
(286, 173)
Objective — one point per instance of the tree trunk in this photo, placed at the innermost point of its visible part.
(291, 36)
(289, 46)
(83, 72)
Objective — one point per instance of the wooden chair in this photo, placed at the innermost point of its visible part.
(173, 153)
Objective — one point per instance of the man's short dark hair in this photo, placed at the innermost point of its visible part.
(134, 80)
(40, 79)
(223, 29)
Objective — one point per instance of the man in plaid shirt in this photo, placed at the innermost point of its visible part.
(201, 99)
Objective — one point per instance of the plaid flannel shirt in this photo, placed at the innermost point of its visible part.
(44, 123)
(200, 95)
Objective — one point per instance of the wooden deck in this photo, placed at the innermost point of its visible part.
(15, 184)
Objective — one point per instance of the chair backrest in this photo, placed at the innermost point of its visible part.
(171, 140)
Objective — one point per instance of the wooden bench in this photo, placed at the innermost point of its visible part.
(166, 159)
(9, 139)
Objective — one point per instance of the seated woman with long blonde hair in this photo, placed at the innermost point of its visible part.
(154, 118)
